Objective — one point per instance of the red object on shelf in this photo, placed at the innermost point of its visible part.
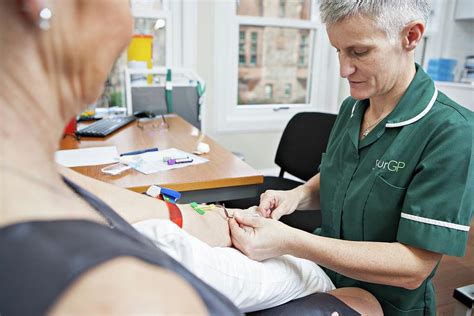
(71, 127)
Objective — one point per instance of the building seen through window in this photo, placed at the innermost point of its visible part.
(303, 50)
(282, 8)
(288, 90)
(269, 91)
(273, 60)
(242, 55)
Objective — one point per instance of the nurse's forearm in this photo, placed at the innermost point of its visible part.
(309, 194)
(376, 262)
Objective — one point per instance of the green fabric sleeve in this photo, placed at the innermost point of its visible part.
(437, 209)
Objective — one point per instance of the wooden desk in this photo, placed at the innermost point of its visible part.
(224, 177)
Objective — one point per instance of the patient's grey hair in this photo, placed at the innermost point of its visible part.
(390, 16)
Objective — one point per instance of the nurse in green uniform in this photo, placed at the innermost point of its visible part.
(396, 184)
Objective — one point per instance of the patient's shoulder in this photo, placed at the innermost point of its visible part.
(127, 285)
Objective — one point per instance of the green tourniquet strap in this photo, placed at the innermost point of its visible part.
(196, 207)
(169, 92)
(200, 89)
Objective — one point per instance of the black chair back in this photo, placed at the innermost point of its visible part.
(304, 140)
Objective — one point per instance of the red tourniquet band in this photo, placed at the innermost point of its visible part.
(173, 210)
(175, 214)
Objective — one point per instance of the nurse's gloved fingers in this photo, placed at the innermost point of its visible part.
(268, 201)
(238, 235)
(279, 212)
(251, 211)
(264, 212)
(245, 220)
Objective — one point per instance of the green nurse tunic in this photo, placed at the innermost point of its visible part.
(411, 180)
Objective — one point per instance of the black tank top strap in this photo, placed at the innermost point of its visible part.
(114, 220)
(39, 260)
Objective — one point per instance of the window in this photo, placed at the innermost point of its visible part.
(288, 90)
(156, 27)
(152, 19)
(253, 49)
(303, 50)
(274, 43)
(172, 25)
(242, 57)
(269, 91)
(287, 68)
(282, 8)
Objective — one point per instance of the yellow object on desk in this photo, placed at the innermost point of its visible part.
(141, 49)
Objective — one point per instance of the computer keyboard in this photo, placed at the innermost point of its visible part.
(105, 126)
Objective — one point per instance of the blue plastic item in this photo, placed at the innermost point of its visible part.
(442, 69)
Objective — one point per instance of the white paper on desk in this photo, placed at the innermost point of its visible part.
(86, 156)
(152, 162)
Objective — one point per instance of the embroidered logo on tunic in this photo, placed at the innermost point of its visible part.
(392, 165)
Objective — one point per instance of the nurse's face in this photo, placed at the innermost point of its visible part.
(368, 59)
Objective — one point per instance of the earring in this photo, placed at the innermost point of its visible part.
(45, 16)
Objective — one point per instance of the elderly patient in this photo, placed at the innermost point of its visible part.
(62, 249)
(202, 247)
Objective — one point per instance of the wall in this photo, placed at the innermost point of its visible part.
(451, 38)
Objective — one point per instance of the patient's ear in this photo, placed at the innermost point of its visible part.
(30, 10)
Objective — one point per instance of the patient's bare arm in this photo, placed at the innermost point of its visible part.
(211, 227)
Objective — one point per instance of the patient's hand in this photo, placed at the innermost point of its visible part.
(212, 227)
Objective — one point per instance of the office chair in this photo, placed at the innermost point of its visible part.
(299, 153)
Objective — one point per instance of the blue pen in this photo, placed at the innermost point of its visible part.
(138, 152)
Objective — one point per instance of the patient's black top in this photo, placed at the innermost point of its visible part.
(40, 259)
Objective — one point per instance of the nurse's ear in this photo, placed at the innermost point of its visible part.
(412, 35)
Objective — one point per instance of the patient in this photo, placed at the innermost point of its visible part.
(249, 284)
(64, 251)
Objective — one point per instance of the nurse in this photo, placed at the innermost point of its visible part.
(396, 184)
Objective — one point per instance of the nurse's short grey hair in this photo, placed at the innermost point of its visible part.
(390, 16)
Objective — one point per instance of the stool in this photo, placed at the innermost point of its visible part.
(464, 299)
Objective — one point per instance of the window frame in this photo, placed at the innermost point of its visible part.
(267, 117)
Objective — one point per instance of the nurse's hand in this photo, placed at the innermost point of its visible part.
(275, 204)
(259, 238)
